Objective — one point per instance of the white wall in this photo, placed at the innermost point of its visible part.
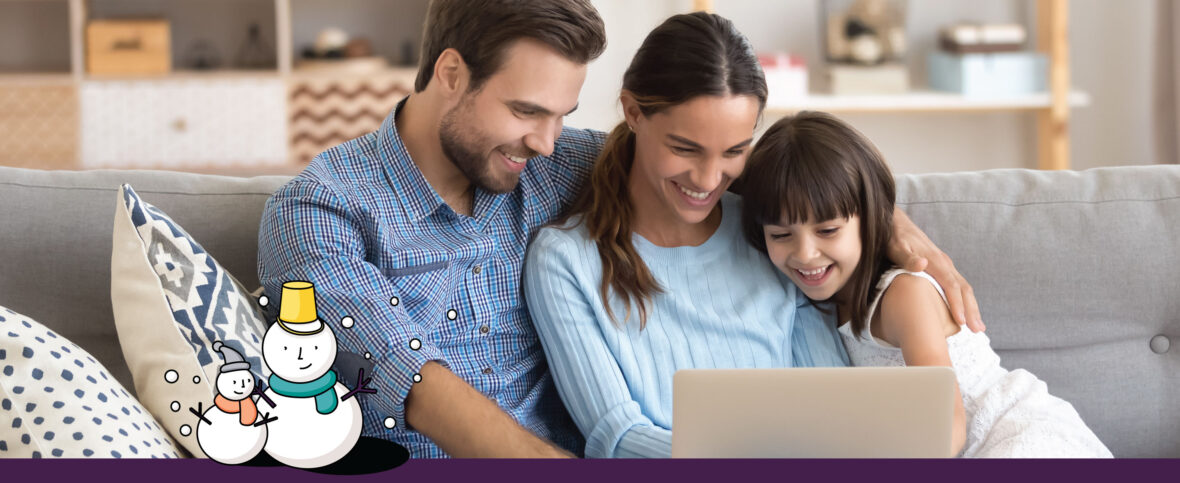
(1111, 49)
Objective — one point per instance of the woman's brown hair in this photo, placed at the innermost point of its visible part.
(687, 56)
(813, 166)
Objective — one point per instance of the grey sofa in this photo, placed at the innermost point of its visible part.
(1076, 272)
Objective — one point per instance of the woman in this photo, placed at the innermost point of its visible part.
(650, 272)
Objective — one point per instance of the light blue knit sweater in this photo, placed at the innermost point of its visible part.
(723, 306)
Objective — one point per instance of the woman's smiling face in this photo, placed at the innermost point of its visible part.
(687, 155)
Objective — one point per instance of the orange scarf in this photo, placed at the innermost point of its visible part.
(248, 412)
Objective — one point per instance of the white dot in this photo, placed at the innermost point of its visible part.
(368, 355)
(263, 300)
(415, 344)
(390, 423)
(175, 406)
(452, 314)
(185, 430)
(394, 301)
(346, 322)
(171, 376)
(196, 379)
(417, 377)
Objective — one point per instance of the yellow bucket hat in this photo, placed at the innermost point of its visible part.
(297, 313)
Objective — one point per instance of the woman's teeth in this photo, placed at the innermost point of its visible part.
(699, 196)
(812, 274)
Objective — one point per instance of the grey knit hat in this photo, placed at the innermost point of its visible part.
(233, 359)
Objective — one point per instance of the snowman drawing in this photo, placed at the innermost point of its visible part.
(230, 431)
(316, 419)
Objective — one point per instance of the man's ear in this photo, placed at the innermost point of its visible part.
(451, 73)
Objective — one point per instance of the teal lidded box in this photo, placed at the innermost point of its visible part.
(1000, 74)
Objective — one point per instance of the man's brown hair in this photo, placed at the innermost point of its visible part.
(482, 30)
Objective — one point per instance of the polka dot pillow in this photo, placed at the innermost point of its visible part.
(58, 401)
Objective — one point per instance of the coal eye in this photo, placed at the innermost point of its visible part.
(284, 347)
(316, 347)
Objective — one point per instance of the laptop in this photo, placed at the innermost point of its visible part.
(853, 412)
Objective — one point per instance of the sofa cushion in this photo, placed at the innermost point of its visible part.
(171, 302)
(1076, 276)
(56, 400)
(56, 241)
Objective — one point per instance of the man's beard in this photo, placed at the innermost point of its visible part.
(460, 146)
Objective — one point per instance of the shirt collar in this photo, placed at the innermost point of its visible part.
(418, 198)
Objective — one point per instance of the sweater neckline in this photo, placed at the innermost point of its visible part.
(716, 245)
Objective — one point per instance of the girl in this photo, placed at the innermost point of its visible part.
(819, 201)
(649, 273)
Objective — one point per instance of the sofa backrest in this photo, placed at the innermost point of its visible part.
(55, 241)
(1076, 272)
(1078, 279)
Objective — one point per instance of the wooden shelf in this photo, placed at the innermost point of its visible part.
(191, 75)
(36, 78)
(921, 101)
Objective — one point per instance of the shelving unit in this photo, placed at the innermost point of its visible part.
(55, 115)
(1052, 108)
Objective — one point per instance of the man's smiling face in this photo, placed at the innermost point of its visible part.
(515, 115)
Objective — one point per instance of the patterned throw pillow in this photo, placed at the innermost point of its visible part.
(171, 301)
(57, 401)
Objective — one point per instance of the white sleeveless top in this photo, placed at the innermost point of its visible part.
(1010, 414)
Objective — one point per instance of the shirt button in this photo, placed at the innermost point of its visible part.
(476, 270)
(484, 329)
(1160, 344)
(452, 314)
(487, 370)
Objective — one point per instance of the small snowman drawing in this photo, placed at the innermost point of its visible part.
(317, 419)
(230, 431)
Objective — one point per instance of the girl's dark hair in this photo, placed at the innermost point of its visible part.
(813, 166)
(687, 56)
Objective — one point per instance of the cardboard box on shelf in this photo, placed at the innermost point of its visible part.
(128, 47)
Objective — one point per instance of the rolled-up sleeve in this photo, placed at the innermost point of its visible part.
(587, 374)
(310, 233)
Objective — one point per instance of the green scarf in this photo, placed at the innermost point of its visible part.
(320, 389)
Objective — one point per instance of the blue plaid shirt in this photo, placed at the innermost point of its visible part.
(422, 282)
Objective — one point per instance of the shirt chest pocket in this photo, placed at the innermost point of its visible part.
(421, 290)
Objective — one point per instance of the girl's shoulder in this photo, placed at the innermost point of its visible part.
(912, 302)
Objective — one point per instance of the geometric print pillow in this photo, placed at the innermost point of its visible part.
(171, 301)
(58, 401)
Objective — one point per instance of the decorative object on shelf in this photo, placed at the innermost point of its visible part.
(865, 32)
(335, 53)
(786, 77)
(986, 61)
(326, 112)
(202, 55)
(852, 80)
(330, 43)
(968, 38)
(128, 47)
(255, 52)
(865, 44)
(1002, 74)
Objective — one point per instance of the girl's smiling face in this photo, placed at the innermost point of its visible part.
(819, 257)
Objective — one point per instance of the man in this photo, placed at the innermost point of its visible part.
(418, 231)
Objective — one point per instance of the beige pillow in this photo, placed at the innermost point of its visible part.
(171, 301)
(58, 401)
